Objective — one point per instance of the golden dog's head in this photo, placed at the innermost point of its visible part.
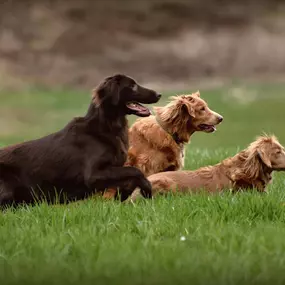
(202, 117)
(269, 151)
(186, 114)
(258, 160)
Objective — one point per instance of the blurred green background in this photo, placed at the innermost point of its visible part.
(248, 110)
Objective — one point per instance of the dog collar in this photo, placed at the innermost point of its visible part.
(174, 136)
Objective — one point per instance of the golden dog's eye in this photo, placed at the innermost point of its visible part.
(203, 109)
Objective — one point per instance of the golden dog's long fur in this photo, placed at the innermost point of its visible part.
(157, 142)
(251, 168)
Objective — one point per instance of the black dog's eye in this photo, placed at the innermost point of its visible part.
(135, 87)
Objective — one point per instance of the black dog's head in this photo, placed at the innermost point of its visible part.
(122, 93)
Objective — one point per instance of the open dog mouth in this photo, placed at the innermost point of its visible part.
(138, 109)
(207, 128)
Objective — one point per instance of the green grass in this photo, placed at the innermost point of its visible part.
(193, 239)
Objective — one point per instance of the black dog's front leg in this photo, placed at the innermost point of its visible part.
(126, 178)
(126, 188)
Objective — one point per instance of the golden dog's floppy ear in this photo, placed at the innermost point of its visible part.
(187, 106)
(264, 157)
(189, 109)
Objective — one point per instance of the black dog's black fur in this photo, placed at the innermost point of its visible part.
(84, 157)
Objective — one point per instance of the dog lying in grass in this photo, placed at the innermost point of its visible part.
(157, 142)
(251, 168)
(84, 157)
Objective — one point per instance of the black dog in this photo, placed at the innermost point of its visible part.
(85, 157)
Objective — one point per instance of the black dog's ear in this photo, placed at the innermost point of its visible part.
(109, 89)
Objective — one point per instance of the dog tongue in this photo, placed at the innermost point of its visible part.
(208, 127)
(138, 107)
(211, 127)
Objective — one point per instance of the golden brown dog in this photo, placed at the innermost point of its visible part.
(157, 142)
(251, 168)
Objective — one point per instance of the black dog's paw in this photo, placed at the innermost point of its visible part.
(128, 188)
(146, 189)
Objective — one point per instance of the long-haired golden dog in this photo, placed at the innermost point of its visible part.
(156, 143)
(251, 168)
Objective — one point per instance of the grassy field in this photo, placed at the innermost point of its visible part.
(194, 239)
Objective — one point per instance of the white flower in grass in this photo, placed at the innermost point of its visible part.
(234, 200)
(183, 238)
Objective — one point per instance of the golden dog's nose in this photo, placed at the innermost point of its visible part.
(220, 119)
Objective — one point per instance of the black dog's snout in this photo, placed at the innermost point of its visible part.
(158, 96)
